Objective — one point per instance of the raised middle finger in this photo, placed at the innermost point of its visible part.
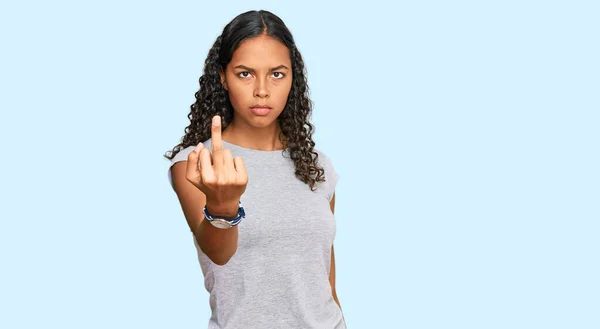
(216, 143)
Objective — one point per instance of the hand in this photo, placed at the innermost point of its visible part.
(219, 176)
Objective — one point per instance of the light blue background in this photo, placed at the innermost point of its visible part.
(465, 133)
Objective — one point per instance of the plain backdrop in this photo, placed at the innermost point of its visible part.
(466, 136)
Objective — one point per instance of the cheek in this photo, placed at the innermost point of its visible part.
(238, 93)
(283, 91)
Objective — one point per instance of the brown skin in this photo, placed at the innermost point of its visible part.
(261, 80)
(216, 180)
(332, 269)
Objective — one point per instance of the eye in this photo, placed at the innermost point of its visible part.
(244, 75)
(278, 75)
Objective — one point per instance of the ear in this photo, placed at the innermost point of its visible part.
(223, 81)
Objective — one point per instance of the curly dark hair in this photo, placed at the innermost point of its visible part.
(212, 99)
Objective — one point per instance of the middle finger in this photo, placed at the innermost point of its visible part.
(216, 143)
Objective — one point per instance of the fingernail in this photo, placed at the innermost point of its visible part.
(199, 147)
(217, 121)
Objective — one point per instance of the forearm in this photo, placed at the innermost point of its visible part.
(218, 244)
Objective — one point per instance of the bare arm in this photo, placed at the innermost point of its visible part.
(218, 244)
(332, 271)
(216, 180)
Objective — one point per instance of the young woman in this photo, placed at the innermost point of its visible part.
(256, 194)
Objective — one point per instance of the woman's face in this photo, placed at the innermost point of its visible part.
(259, 75)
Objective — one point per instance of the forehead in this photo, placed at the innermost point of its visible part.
(261, 52)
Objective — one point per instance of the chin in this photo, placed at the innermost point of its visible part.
(261, 122)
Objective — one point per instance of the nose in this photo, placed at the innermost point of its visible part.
(260, 88)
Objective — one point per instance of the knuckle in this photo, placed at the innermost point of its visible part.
(216, 179)
(208, 179)
(224, 180)
(241, 180)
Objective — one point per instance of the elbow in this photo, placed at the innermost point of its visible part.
(219, 257)
(221, 261)
(218, 245)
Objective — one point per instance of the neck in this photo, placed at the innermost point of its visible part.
(262, 139)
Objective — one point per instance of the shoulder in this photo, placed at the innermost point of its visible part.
(323, 160)
(331, 175)
(182, 155)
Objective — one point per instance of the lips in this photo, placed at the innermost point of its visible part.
(263, 106)
(261, 109)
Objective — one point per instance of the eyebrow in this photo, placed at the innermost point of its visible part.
(251, 69)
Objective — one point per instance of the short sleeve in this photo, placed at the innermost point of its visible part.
(181, 156)
(331, 175)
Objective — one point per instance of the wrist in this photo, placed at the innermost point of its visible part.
(225, 210)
